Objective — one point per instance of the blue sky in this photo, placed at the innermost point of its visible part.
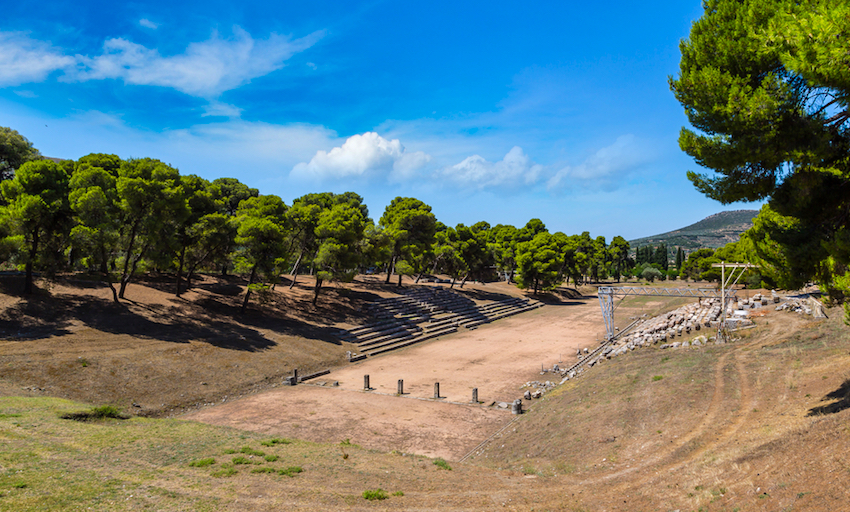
(496, 111)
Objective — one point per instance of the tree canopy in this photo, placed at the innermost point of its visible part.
(766, 87)
(15, 150)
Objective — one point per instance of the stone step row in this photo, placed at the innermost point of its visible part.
(417, 339)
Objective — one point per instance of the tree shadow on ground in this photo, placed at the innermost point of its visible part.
(842, 395)
(214, 320)
(478, 294)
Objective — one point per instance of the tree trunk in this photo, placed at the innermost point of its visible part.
(295, 270)
(453, 283)
(463, 281)
(125, 278)
(316, 291)
(511, 276)
(248, 288)
(180, 269)
(418, 277)
(297, 262)
(33, 252)
(106, 276)
(399, 280)
(390, 269)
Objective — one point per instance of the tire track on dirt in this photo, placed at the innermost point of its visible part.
(668, 459)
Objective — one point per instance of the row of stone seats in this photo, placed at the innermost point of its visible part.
(427, 312)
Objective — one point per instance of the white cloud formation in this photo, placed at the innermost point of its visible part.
(148, 24)
(363, 156)
(25, 60)
(218, 109)
(206, 69)
(515, 169)
(604, 167)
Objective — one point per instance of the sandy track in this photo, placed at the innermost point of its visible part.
(497, 358)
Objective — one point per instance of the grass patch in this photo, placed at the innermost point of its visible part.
(398, 493)
(242, 460)
(247, 450)
(276, 440)
(263, 470)
(375, 494)
(442, 464)
(96, 413)
(656, 378)
(271, 458)
(224, 472)
(202, 463)
(291, 471)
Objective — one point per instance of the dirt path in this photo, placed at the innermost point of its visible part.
(497, 358)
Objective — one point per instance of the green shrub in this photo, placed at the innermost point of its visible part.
(271, 458)
(209, 461)
(291, 471)
(97, 413)
(651, 274)
(247, 450)
(398, 493)
(224, 472)
(442, 464)
(242, 460)
(656, 378)
(274, 441)
(375, 494)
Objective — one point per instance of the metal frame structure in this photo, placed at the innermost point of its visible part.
(726, 285)
(606, 296)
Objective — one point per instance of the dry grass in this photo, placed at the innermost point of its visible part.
(758, 424)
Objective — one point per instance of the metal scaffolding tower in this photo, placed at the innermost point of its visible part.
(725, 292)
(606, 296)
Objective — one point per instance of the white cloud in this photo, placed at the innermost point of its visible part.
(363, 156)
(206, 69)
(606, 166)
(218, 109)
(25, 60)
(26, 94)
(515, 169)
(148, 24)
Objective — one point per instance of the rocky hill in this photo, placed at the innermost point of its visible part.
(713, 231)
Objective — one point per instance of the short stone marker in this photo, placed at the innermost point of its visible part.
(516, 407)
(295, 375)
(400, 387)
(475, 395)
(436, 390)
(366, 386)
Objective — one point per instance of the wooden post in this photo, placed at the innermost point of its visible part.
(475, 395)
(295, 376)
(436, 390)
(400, 387)
(366, 386)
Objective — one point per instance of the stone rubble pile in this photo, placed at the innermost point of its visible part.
(803, 305)
(539, 388)
(679, 322)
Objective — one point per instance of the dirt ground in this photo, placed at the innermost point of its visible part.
(496, 358)
(756, 424)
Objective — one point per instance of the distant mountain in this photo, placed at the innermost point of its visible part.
(713, 231)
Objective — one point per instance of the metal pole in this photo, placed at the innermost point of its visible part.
(722, 300)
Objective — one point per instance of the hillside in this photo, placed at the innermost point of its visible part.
(756, 424)
(713, 231)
